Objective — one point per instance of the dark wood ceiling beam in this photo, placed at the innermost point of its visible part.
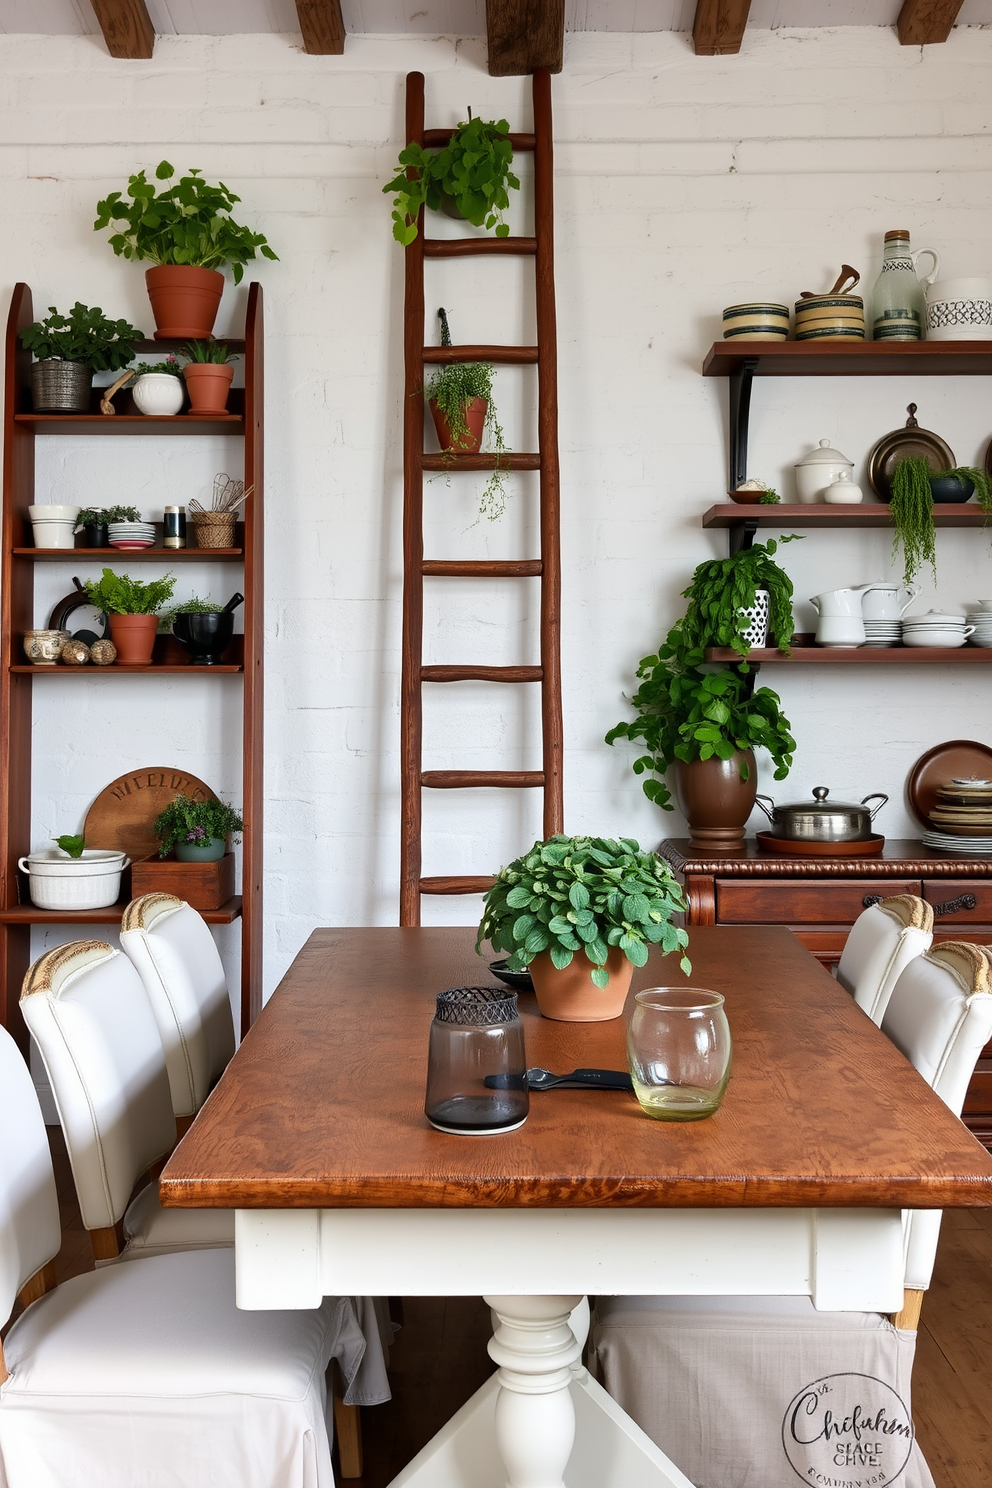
(127, 27)
(718, 27)
(524, 36)
(924, 21)
(322, 25)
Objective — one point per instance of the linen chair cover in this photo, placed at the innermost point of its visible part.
(715, 1381)
(174, 953)
(883, 941)
(149, 1374)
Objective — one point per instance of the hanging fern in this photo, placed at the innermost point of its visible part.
(912, 513)
(452, 387)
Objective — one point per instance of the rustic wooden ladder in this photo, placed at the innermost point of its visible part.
(546, 568)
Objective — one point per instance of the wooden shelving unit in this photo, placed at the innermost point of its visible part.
(17, 568)
(804, 652)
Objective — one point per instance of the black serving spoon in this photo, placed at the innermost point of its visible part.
(542, 1079)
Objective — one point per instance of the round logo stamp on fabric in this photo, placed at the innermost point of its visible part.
(847, 1431)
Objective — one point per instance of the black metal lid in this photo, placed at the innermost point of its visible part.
(478, 1007)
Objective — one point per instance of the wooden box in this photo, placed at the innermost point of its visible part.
(202, 885)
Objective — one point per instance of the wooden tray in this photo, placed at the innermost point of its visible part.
(956, 760)
(202, 885)
(791, 848)
(123, 813)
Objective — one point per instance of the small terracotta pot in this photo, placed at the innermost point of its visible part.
(571, 996)
(208, 384)
(475, 418)
(134, 637)
(184, 301)
(715, 801)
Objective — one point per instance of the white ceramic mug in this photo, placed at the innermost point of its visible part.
(960, 310)
(839, 602)
(886, 601)
(840, 630)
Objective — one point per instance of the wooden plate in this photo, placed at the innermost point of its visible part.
(792, 848)
(955, 760)
(899, 444)
(123, 813)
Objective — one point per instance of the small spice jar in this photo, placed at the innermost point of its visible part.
(174, 527)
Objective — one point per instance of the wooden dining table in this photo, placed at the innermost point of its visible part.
(316, 1136)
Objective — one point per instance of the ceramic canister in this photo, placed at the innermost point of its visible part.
(838, 317)
(818, 469)
(760, 320)
(960, 310)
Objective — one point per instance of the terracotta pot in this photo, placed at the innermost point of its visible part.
(571, 996)
(715, 801)
(184, 301)
(208, 384)
(134, 637)
(475, 417)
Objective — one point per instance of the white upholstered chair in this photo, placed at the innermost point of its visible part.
(174, 953)
(712, 1379)
(147, 1373)
(883, 941)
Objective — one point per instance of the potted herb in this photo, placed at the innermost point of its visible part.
(158, 387)
(92, 523)
(69, 349)
(131, 607)
(469, 178)
(581, 913)
(196, 830)
(186, 230)
(460, 398)
(208, 373)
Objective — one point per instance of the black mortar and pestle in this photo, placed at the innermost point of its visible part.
(206, 634)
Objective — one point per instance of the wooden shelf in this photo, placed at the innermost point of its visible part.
(866, 514)
(805, 652)
(129, 423)
(130, 555)
(28, 914)
(847, 359)
(117, 670)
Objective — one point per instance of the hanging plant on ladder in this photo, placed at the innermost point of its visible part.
(460, 397)
(469, 178)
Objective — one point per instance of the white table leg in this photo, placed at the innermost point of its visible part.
(535, 1419)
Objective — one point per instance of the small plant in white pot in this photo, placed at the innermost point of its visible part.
(197, 831)
(72, 876)
(158, 388)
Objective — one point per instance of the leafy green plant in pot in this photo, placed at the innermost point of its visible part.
(158, 387)
(69, 349)
(131, 607)
(92, 522)
(460, 398)
(581, 913)
(208, 373)
(197, 831)
(187, 231)
(469, 178)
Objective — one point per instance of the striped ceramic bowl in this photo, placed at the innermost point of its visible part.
(759, 321)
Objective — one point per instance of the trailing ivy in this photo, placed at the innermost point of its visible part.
(473, 169)
(452, 387)
(912, 514)
(722, 592)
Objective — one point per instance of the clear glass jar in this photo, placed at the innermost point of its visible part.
(477, 1066)
(679, 1048)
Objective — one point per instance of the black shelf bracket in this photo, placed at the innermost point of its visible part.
(742, 534)
(740, 408)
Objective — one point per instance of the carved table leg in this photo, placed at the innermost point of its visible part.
(535, 1420)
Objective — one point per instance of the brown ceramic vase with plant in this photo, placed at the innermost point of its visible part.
(132, 611)
(208, 373)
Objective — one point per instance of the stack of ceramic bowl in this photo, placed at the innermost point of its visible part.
(936, 629)
(962, 813)
(131, 534)
(883, 632)
(981, 619)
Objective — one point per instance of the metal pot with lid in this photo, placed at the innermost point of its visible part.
(821, 820)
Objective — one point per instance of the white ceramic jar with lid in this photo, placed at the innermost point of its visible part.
(822, 467)
(843, 491)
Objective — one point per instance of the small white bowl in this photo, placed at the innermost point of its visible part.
(930, 635)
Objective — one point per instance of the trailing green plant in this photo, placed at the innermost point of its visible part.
(171, 367)
(119, 594)
(912, 513)
(979, 479)
(186, 820)
(473, 168)
(85, 335)
(584, 894)
(121, 514)
(209, 351)
(452, 387)
(723, 590)
(188, 222)
(71, 845)
(92, 516)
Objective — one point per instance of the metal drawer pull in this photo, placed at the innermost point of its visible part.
(871, 899)
(963, 901)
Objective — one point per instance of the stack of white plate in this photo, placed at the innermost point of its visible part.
(982, 621)
(131, 534)
(935, 629)
(962, 817)
(884, 632)
(944, 842)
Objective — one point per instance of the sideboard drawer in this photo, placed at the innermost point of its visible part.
(792, 901)
(941, 891)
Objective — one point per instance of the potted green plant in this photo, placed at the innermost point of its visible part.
(69, 349)
(469, 178)
(196, 831)
(92, 523)
(581, 913)
(132, 609)
(730, 599)
(186, 230)
(158, 387)
(208, 373)
(460, 398)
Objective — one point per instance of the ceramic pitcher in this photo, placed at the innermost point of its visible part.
(838, 602)
(887, 601)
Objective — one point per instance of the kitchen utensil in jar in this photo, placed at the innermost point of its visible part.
(823, 820)
(837, 315)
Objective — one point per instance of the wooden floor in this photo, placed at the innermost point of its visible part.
(439, 1358)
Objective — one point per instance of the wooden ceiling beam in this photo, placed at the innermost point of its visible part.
(322, 25)
(525, 35)
(127, 27)
(718, 27)
(924, 21)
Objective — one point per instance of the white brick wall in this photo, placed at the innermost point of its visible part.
(683, 185)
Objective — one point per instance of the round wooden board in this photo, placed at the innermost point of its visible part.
(123, 813)
(792, 847)
(958, 759)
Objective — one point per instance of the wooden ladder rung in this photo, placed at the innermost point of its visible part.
(451, 885)
(466, 779)
(514, 356)
(438, 138)
(480, 462)
(481, 568)
(472, 247)
(481, 674)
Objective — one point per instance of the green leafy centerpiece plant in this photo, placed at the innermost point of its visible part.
(470, 177)
(460, 398)
(186, 229)
(197, 831)
(132, 609)
(69, 349)
(581, 913)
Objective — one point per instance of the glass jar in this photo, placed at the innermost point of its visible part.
(174, 527)
(678, 1047)
(477, 1067)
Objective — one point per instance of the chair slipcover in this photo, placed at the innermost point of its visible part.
(882, 942)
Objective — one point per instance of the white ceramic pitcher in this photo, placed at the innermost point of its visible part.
(837, 602)
(887, 601)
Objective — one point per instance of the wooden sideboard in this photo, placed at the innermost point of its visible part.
(820, 898)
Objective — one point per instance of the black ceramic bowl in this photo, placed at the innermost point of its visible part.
(205, 634)
(951, 488)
